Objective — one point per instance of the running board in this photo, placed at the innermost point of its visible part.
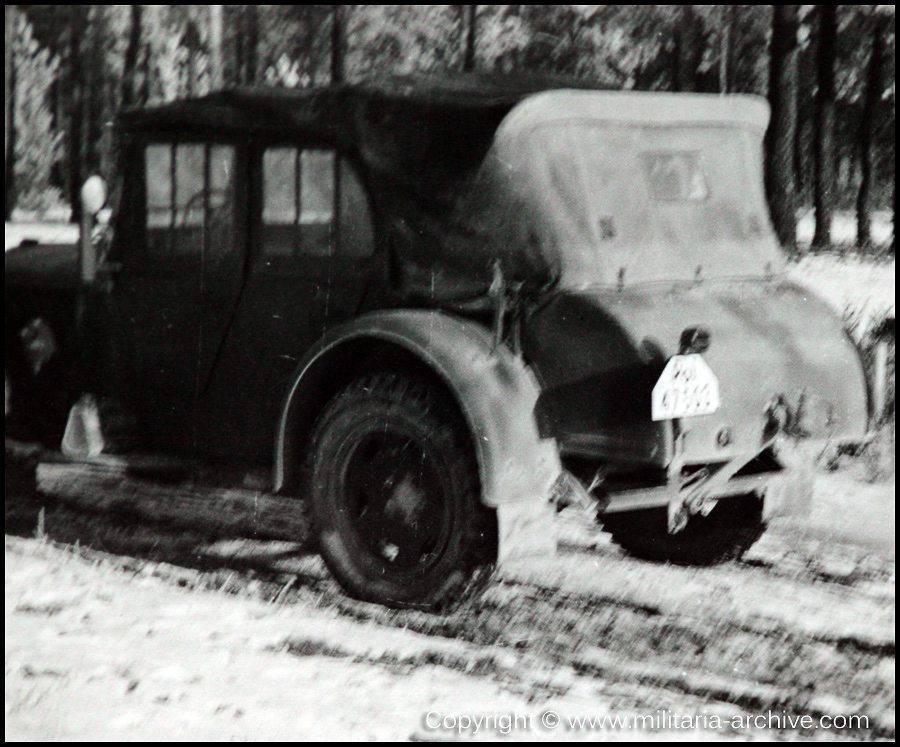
(160, 490)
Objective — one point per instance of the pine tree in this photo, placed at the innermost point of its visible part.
(33, 140)
(824, 122)
(780, 186)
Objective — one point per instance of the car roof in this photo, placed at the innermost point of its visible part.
(271, 108)
(426, 130)
(482, 96)
(422, 145)
(426, 133)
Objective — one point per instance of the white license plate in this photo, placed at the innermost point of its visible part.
(686, 388)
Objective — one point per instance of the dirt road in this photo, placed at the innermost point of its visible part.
(120, 629)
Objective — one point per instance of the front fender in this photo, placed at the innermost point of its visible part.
(493, 388)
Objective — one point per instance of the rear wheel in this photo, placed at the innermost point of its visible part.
(395, 496)
(725, 534)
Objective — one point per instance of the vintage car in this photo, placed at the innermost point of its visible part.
(442, 309)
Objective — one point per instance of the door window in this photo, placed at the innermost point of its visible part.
(300, 208)
(189, 197)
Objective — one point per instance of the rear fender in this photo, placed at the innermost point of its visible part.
(493, 389)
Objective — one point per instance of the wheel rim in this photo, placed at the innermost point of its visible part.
(394, 502)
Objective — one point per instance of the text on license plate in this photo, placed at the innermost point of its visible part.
(687, 387)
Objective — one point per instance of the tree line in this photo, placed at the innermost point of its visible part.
(828, 72)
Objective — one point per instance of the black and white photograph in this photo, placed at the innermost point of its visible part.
(450, 373)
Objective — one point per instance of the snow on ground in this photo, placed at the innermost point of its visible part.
(849, 284)
(95, 653)
(843, 227)
(117, 647)
(43, 233)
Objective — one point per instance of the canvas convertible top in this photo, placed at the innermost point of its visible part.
(578, 187)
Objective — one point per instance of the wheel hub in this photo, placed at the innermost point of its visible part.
(394, 500)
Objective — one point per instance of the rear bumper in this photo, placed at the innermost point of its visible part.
(786, 492)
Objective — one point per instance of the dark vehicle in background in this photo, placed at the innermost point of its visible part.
(438, 308)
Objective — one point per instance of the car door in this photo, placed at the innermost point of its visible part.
(312, 265)
(181, 268)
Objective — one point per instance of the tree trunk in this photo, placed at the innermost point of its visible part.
(337, 43)
(10, 164)
(469, 12)
(75, 154)
(216, 77)
(143, 92)
(90, 109)
(130, 90)
(251, 29)
(688, 49)
(192, 45)
(725, 51)
(823, 136)
(871, 97)
(893, 213)
(780, 187)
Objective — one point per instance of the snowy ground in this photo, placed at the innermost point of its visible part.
(850, 285)
(123, 630)
(41, 232)
(843, 228)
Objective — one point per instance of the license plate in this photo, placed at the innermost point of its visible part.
(686, 388)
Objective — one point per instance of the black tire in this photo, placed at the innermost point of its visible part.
(395, 495)
(725, 534)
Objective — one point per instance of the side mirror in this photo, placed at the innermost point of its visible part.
(93, 195)
(93, 198)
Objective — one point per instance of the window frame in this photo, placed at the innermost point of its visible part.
(171, 261)
(298, 261)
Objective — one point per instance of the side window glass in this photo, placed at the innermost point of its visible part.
(187, 233)
(189, 198)
(316, 201)
(316, 187)
(159, 180)
(221, 176)
(189, 183)
(280, 187)
(299, 205)
(298, 202)
(220, 221)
